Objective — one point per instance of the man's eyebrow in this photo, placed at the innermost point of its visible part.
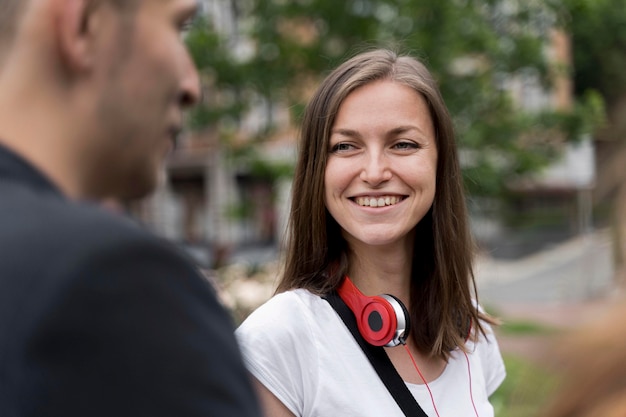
(196, 8)
(191, 10)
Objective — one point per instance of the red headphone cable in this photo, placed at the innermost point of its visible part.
(469, 373)
(432, 399)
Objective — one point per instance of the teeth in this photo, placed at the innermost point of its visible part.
(377, 201)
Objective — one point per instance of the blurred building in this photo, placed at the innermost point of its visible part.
(554, 204)
(214, 204)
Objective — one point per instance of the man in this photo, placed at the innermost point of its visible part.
(97, 317)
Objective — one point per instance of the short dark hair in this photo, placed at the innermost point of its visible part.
(10, 11)
(124, 4)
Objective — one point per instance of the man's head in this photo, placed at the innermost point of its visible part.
(10, 12)
(111, 79)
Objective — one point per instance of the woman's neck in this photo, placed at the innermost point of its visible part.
(381, 269)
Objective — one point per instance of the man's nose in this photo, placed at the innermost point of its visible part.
(190, 89)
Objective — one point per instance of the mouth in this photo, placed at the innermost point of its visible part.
(378, 201)
(174, 133)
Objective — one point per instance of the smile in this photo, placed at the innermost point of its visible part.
(379, 201)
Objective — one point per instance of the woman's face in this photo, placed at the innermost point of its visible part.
(380, 176)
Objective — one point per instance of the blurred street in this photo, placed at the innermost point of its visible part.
(562, 289)
(577, 270)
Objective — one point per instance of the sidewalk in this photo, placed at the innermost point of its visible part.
(560, 320)
(575, 271)
(561, 289)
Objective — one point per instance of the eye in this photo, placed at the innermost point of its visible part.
(342, 147)
(190, 22)
(406, 145)
(185, 26)
(187, 21)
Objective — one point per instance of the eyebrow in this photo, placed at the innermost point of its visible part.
(192, 10)
(196, 8)
(345, 132)
(395, 131)
(407, 128)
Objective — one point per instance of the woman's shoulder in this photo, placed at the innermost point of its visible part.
(286, 314)
(299, 302)
(279, 343)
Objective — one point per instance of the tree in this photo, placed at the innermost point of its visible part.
(598, 29)
(474, 48)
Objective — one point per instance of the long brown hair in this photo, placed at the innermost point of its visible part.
(442, 283)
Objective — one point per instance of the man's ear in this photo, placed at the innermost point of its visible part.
(77, 24)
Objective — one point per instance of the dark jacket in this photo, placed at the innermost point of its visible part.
(100, 318)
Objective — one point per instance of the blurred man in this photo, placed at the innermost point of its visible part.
(594, 359)
(97, 317)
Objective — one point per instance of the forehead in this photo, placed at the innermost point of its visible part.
(190, 6)
(380, 96)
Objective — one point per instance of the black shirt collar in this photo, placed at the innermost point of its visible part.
(14, 168)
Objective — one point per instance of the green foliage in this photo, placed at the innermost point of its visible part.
(272, 171)
(222, 77)
(526, 389)
(524, 327)
(259, 169)
(475, 48)
(256, 166)
(598, 29)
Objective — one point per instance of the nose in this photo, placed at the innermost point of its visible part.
(377, 169)
(190, 89)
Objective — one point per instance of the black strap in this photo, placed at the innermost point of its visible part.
(379, 359)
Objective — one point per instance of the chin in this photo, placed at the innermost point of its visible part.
(377, 239)
(138, 188)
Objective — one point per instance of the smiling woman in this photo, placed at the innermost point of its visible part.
(377, 208)
(382, 148)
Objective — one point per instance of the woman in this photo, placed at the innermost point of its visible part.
(377, 203)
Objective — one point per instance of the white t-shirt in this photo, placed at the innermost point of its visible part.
(299, 348)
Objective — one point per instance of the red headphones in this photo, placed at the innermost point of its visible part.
(382, 320)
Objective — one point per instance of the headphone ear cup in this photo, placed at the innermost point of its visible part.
(382, 320)
(377, 321)
(403, 321)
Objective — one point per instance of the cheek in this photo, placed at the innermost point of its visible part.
(159, 76)
(428, 182)
(338, 175)
(422, 180)
(332, 190)
(426, 172)
(334, 185)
